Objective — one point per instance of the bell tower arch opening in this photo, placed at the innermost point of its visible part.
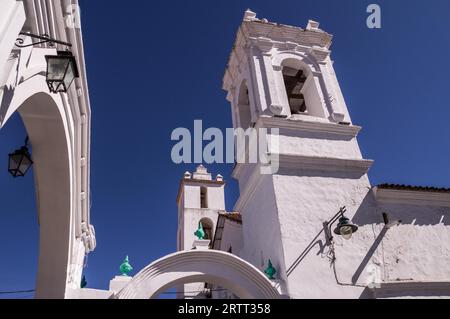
(294, 80)
(243, 105)
(302, 89)
(208, 228)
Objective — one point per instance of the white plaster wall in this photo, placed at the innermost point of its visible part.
(318, 144)
(215, 196)
(245, 175)
(416, 251)
(419, 248)
(261, 228)
(191, 196)
(87, 293)
(305, 200)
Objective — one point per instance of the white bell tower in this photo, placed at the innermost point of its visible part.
(200, 199)
(281, 76)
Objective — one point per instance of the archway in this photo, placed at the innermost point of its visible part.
(59, 129)
(212, 266)
(47, 124)
(60, 154)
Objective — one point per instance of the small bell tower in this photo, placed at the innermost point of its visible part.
(199, 200)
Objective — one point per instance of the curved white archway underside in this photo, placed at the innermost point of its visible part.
(212, 266)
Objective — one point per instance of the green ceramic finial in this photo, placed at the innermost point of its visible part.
(200, 233)
(83, 283)
(125, 267)
(270, 271)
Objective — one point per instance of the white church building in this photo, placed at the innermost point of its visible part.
(280, 76)
(316, 228)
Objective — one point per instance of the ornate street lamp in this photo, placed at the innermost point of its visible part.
(20, 161)
(344, 228)
(61, 68)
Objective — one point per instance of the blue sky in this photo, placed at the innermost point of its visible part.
(155, 66)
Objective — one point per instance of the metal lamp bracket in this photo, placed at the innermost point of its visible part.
(42, 39)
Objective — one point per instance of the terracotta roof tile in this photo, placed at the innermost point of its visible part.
(233, 216)
(414, 188)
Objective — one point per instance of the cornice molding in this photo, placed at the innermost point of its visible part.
(308, 126)
(288, 33)
(412, 197)
(294, 161)
(405, 288)
(314, 163)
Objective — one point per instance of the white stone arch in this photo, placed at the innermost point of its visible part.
(212, 266)
(58, 126)
(311, 66)
(49, 125)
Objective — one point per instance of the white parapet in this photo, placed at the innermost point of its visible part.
(88, 293)
(118, 283)
(201, 244)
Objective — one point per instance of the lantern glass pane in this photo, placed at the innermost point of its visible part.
(14, 161)
(25, 165)
(346, 232)
(70, 75)
(56, 68)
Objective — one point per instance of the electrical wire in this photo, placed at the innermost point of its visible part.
(15, 292)
(191, 292)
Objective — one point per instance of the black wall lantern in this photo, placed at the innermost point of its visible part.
(344, 228)
(20, 161)
(61, 68)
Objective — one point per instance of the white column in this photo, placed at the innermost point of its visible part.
(274, 103)
(256, 87)
(281, 89)
(339, 109)
(314, 99)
